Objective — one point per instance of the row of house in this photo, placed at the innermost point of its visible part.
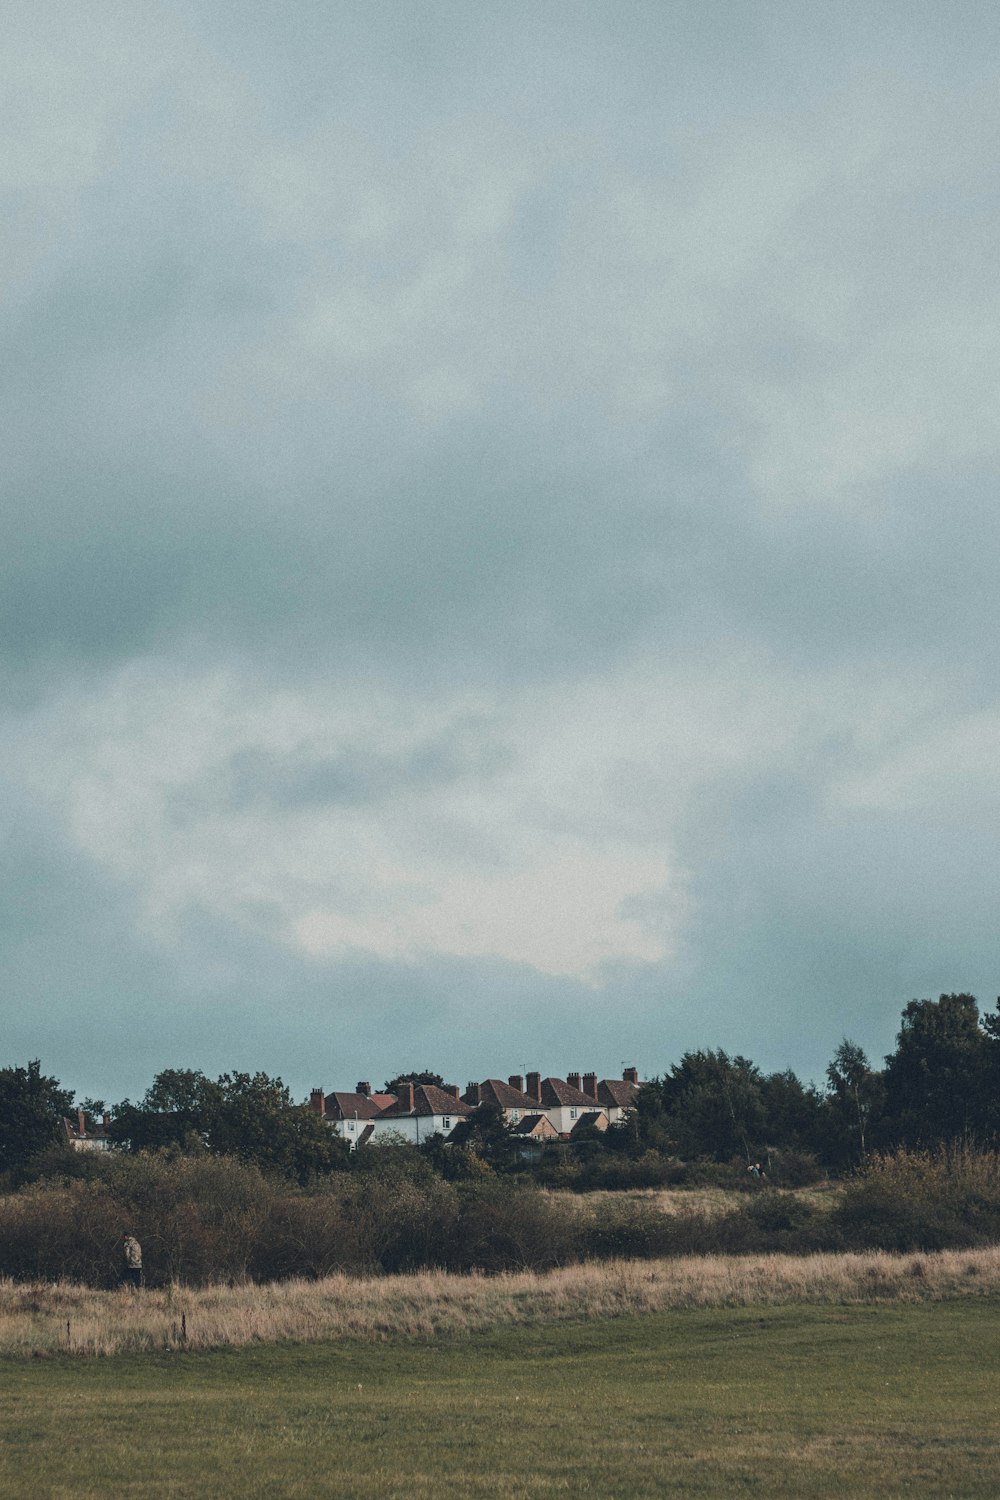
(534, 1108)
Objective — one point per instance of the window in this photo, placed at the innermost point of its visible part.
(515, 1115)
(572, 1114)
(350, 1124)
(446, 1122)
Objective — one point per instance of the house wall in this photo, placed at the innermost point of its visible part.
(565, 1116)
(414, 1128)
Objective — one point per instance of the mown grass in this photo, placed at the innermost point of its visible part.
(804, 1401)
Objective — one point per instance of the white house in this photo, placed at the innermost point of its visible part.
(420, 1110)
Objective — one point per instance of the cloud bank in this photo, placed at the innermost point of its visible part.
(498, 533)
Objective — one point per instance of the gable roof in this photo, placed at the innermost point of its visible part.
(556, 1091)
(596, 1120)
(495, 1091)
(539, 1125)
(428, 1099)
(617, 1092)
(341, 1106)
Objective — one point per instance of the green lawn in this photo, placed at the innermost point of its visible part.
(796, 1401)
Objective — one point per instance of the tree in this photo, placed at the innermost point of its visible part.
(854, 1100)
(485, 1133)
(433, 1079)
(936, 1081)
(249, 1116)
(32, 1106)
(714, 1105)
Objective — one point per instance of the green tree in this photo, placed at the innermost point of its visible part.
(32, 1107)
(937, 1080)
(248, 1116)
(715, 1106)
(433, 1079)
(855, 1099)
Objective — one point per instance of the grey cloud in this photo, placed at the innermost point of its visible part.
(444, 349)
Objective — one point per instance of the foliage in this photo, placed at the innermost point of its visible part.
(250, 1117)
(432, 1079)
(32, 1106)
(922, 1200)
(937, 1082)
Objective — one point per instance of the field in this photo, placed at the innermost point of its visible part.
(884, 1399)
(782, 1376)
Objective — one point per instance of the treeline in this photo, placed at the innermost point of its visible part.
(707, 1118)
(204, 1219)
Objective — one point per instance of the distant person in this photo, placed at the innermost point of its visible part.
(131, 1260)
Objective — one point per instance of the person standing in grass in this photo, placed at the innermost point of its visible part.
(131, 1260)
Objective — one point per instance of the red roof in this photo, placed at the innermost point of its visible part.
(428, 1099)
(617, 1092)
(556, 1091)
(351, 1107)
(495, 1091)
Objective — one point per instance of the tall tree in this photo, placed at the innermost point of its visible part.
(854, 1100)
(936, 1081)
(32, 1106)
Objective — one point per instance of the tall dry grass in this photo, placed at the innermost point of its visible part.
(42, 1318)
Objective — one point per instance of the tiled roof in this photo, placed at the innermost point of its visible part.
(534, 1124)
(428, 1099)
(596, 1118)
(555, 1092)
(495, 1091)
(617, 1092)
(350, 1107)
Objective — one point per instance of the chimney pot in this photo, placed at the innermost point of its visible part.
(516, 1082)
(631, 1075)
(317, 1102)
(363, 1088)
(573, 1079)
(590, 1085)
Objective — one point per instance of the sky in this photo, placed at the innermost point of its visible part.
(499, 533)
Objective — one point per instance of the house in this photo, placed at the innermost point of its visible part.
(616, 1096)
(509, 1097)
(421, 1110)
(562, 1101)
(79, 1138)
(350, 1114)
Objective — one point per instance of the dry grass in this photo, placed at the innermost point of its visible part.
(711, 1202)
(41, 1318)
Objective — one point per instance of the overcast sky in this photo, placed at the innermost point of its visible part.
(500, 532)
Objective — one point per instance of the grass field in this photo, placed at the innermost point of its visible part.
(852, 1401)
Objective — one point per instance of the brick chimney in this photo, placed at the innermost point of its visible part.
(533, 1086)
(363, 1088)
(404, 1096)
(106, 1120)
(317, 1102)
(516, 1082)
(590, 1086)
(630, 1075)
(81, 1122)
(451, 1089)
(473, 1093)
(573, 1079)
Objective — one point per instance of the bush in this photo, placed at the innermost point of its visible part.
(922, 1200)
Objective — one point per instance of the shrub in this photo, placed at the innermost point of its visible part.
(922, 1200)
